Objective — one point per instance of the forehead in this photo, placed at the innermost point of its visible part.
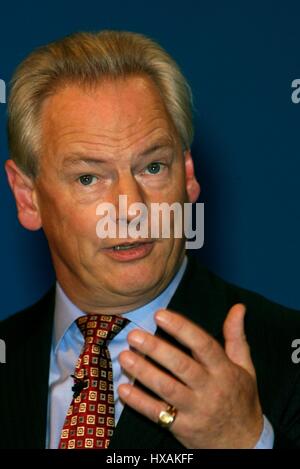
(115, 110)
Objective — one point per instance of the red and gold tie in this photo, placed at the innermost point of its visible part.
(90, 420)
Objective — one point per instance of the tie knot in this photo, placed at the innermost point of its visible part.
(99, 329)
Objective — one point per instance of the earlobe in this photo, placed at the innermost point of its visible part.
(23, 189)
(192, 185)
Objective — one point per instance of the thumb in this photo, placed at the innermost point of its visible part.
(236, 345)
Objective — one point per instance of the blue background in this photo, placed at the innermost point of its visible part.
(240, 59)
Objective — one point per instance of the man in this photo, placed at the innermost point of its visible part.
(93, 117)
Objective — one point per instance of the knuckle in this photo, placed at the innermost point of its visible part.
(167, 387)
(178, 322)
(150, 344)
(206, 346)
(183, 366)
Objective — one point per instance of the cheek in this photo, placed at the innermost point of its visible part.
(80, 224)
(172, 191)
(62, 220)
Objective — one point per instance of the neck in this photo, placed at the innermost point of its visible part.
(98, 301)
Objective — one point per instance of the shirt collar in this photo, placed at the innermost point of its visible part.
(67, 312)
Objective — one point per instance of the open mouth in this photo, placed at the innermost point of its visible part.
(126, 247)
(130, 251)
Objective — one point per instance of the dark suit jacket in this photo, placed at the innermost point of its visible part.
(205, 299)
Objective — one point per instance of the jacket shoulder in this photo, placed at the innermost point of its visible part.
(226, 294)
(28, 318)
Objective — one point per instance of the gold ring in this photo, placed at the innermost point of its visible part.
(167, 417)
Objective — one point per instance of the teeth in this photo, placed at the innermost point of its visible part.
(125, 247)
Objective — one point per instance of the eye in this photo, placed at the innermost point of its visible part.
(155, 167)
(87, 180)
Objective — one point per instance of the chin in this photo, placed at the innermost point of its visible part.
(137, 281)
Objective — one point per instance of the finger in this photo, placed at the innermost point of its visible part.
(142, 402)
(190, 372)
(236, 345)
(205, 348)
(162, 384)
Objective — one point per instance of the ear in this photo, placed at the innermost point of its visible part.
(25, 195)
(192, 185)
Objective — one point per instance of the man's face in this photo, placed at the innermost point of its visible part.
(98, 144)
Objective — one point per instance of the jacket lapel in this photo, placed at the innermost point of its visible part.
(31, 374)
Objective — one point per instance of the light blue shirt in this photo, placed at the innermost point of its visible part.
(67, 342)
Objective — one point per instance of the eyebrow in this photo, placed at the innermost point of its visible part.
(78, 158)
(156, 147)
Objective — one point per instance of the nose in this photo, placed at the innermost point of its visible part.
(127, 186)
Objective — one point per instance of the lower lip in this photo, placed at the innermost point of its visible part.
(130, 254)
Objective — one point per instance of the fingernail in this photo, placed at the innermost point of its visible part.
(136, 337)
(162, 316)
(124, 390)
(127, 360)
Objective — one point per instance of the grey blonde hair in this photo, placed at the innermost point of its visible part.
(86, 58)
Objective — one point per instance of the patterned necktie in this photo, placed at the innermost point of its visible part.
(90, 420)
